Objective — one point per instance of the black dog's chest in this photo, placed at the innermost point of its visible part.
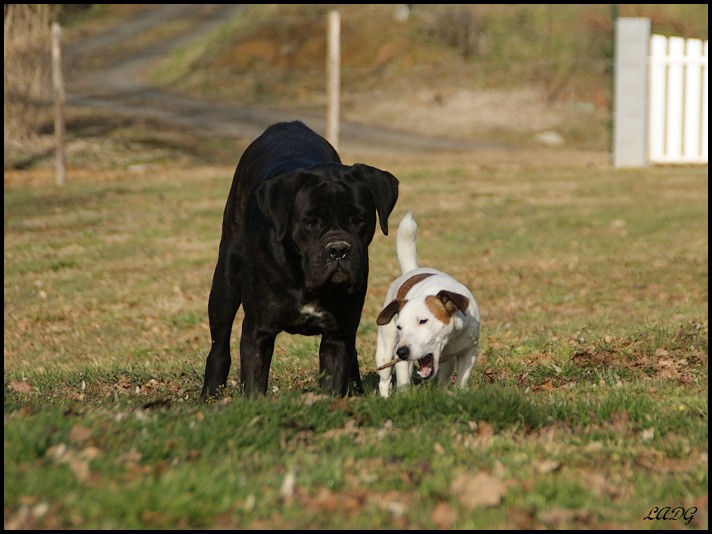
(310, 319)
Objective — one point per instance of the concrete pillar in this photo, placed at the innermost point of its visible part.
(630, 98)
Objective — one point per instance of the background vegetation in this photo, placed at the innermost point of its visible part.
(486, 72)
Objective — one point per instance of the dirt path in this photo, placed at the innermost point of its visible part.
(117, 85)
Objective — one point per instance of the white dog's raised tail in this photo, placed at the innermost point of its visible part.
(405, 243)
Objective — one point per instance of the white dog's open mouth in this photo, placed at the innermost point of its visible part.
(427, 366)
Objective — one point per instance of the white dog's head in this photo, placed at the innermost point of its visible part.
(423, 326)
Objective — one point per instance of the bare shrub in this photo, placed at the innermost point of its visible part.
(463, 28)
(28, 77)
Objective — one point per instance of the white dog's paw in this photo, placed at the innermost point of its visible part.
(384, 388)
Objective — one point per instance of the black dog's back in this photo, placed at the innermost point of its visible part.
(282, 146)
(292, 141)
(285, 145)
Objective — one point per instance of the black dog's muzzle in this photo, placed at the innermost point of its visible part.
(338, 250)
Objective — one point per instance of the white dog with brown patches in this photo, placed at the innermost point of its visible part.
(429, 318)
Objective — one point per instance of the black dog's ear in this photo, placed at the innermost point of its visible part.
(387, 313)
(276, 196)
(453, 301)
(384, 189)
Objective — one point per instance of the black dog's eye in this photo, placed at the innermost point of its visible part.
(422, 321)
(311, 222)
(358, 219)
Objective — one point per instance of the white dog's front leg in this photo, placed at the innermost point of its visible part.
(465, 363)
(385, 352)
(404, 370)
(445, 370)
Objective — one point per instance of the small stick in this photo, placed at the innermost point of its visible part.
(387, 365)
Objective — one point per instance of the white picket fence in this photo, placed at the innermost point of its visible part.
(677, 112)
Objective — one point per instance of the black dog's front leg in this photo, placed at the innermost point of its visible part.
(256, 348)
(336, 361)
(356, 373)
(225, 299)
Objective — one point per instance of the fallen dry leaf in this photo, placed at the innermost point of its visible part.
(485, 430)
(620, 420)
(79, 467)
(444, 516)
(560, 518)
(546, 386)
(78, 434)
(148, 386)
(647, 434)
(288, 484)
(78, 463)
(310, 398)
(601, 486)
(123, 383)
(21, 386)
(480, 490)
(89, 453)
(57, 452)
(547, 466)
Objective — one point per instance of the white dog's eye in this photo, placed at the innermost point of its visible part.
(398, 327)
(422, 321)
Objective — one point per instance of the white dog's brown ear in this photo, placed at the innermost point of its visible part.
(453, 301)
(387, 313)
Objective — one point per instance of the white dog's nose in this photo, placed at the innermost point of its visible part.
(403, 352)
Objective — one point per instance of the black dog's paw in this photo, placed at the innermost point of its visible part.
(356, 389)
(212, 394)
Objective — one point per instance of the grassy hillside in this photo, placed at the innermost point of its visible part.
(546, 43)
(487, 72)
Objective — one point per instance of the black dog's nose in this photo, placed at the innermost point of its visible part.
(403, 352)
(338, 250)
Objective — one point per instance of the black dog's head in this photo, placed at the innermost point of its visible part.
(327, 215)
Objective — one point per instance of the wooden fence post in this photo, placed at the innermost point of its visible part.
(58, 85)
(333, 66)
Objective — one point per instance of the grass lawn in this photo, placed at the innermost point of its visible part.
(587, 409)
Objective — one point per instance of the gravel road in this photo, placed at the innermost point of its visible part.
(116, 84)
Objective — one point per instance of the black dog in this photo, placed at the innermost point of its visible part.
(294, 253)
